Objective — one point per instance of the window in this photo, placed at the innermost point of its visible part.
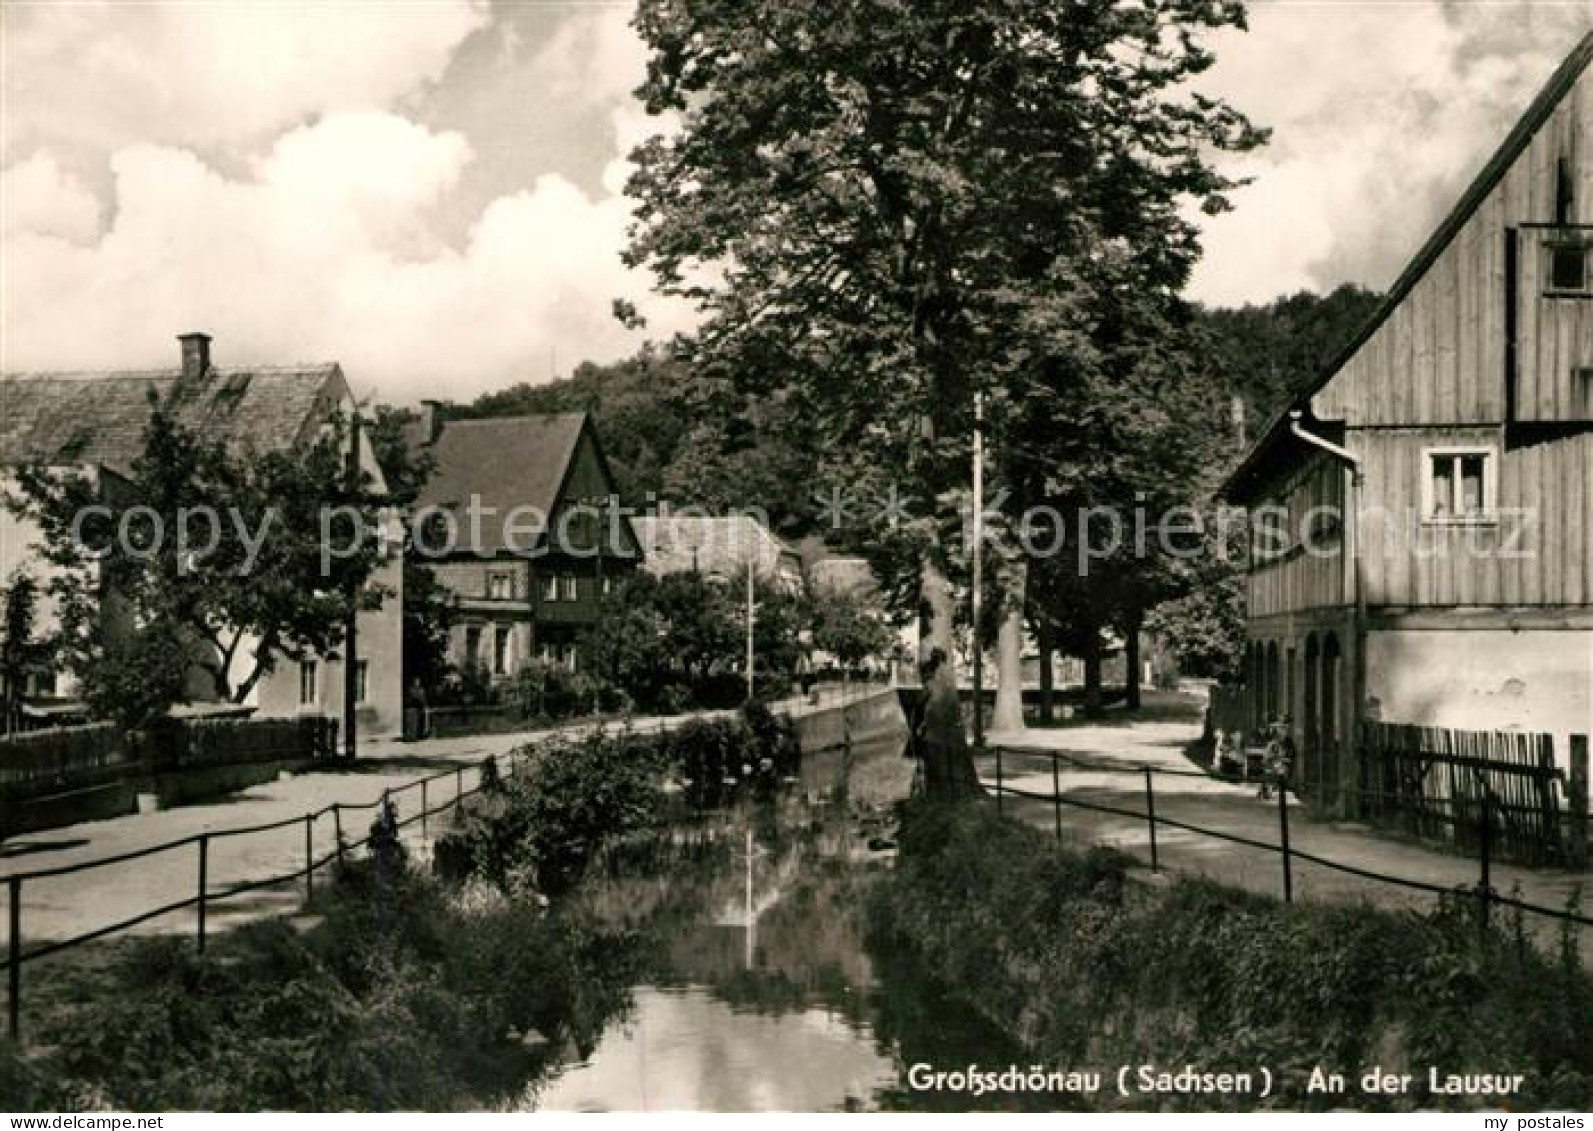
(1567, 267)
(309, 683)
(500, 586)
(1459, 485)
(362, 681)
(500, 650)
(473, 645)
(608, 586)
(550, 587)
(43, 682)
(567, 586)
(545, 653)
(567, 656)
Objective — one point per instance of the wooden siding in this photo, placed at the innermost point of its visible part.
(1554, 336)
(1287, 577)
(1538, 552)
(1439, 358)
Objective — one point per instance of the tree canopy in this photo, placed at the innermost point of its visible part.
(881, 209)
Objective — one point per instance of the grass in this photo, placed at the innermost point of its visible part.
(1086, 967)
(405, 993)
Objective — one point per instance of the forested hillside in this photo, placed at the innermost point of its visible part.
(668, 436)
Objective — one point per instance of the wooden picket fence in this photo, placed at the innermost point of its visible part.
(1441, 784)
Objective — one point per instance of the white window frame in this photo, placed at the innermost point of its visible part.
(1490, 484)
(309, 670)
(550, 586)
(569, 587)
(500, 580)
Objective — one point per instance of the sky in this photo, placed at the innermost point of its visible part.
(430, 191)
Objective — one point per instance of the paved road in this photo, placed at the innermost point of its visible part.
(65, 906)
(1096, 756)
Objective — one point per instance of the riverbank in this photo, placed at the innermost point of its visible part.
(1093, 968)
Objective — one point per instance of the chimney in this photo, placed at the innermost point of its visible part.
(196, 355)
(431, 420)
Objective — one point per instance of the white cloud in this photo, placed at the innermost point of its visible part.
(320, 254)
(104, 75)
(1381, 113)
(36, 196)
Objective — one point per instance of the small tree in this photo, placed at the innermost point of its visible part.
(284, 557)
(849, 628)
(21, 651)
(625, 647)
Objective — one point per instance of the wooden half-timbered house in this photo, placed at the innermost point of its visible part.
(1422, 550)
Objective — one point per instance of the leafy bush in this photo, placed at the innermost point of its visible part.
(541, 828)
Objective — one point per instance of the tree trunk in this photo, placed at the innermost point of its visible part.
(1131, 661)
(948, 770)
(1047, 682)
(1008, 714)
(1092, 674)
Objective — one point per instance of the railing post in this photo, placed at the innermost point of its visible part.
(309, 857)
(1150, 817)
(999, 783)
(459, 787)
(1056, 798)
(337, 828)
(1485, 885)
(425, 818)
(204, 884)
(14, 970)
(1576, 795)
(1283, 828)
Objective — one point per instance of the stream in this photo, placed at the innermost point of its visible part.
(762, 992)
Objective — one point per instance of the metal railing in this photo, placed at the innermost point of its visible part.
(204, 897)
(1483, 891)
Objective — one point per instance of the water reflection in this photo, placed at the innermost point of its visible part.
(685, 1049)
(761, 993)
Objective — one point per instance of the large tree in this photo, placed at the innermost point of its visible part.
(887, 207)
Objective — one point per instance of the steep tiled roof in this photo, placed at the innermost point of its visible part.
(99, 418)
(505, 463)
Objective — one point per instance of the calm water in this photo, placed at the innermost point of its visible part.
(763, 994)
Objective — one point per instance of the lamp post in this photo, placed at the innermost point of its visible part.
(978, 568)
(751, 622)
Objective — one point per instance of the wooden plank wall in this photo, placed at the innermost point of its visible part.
(1554, 339)
(1539, 553)
(1294, 579)
(1439, 358)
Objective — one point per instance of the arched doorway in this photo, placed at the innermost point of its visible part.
(1311, 771)
(1330, 714)
(1274, 679)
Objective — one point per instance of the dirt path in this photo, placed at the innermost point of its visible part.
(1103, 764)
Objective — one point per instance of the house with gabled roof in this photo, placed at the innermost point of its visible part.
(93, 423)
(1422, 510)
(516, 522)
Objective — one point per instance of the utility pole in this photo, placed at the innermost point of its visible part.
(751, 618)
(351, 677)
(978, 567)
